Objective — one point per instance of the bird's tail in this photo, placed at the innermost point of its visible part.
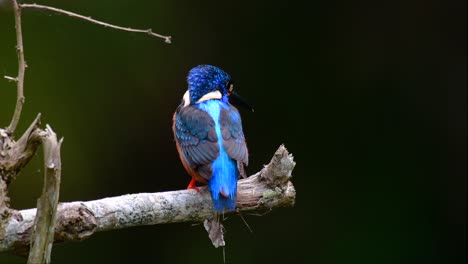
(223, 183)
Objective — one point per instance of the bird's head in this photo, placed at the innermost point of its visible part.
(207, 82)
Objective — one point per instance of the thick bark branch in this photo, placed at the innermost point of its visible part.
(78, 220)
(14, 155)
(43, 235)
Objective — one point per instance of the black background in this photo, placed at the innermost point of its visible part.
(369, 96)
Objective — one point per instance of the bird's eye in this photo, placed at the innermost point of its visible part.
(229, 87)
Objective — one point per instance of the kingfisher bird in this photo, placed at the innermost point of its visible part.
(208, 134)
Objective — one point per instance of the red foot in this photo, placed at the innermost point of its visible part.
(193, 185)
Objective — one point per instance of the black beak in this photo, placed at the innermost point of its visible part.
(235, 99)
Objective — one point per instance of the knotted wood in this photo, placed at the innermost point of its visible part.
(261, 192)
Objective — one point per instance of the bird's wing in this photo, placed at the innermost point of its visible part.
(233, 136)
(194, 131)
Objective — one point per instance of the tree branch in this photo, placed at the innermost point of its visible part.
(43, 236)
(21, 70)
(76, 221)
(14, 155)
(167, 39)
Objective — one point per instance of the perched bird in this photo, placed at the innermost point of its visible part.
(208, 134)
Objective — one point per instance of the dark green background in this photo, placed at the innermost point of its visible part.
(369, 96)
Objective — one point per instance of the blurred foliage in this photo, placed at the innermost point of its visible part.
(368, 96)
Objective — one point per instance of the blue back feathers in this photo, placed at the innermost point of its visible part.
(223, 183)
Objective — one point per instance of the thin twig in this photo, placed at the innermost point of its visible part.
(167, 39)
(245, 222)
(21, 70)
(13, 79)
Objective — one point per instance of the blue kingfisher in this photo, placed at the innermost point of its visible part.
(208, 134)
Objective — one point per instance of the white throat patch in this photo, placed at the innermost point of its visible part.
(186, 98)
(212, 95)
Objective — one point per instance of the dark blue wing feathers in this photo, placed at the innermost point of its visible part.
(194, 131)
(233, 137)
(196, 136)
